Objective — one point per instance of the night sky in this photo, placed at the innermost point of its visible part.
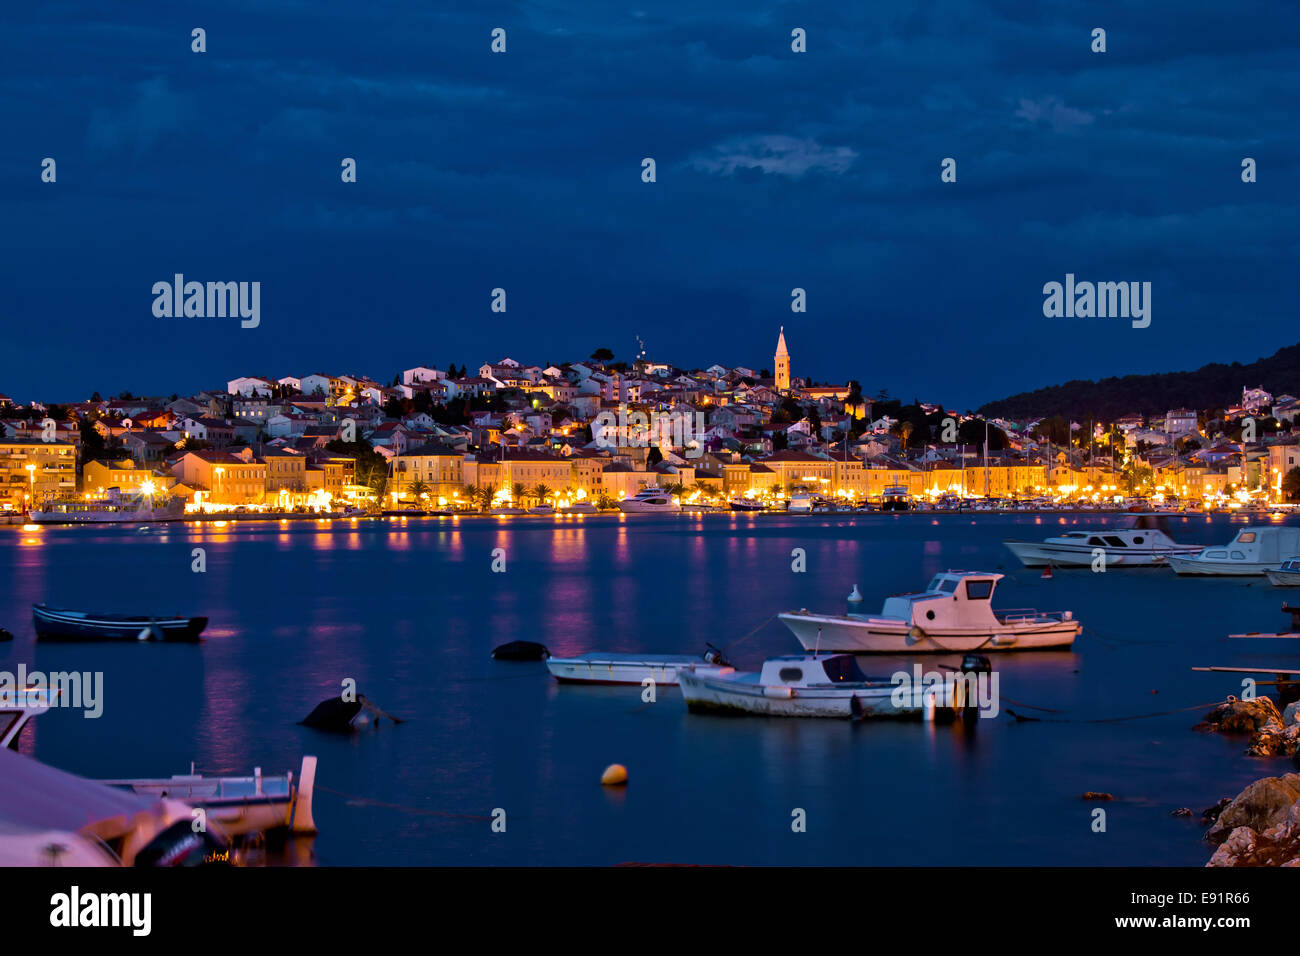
(522, 170)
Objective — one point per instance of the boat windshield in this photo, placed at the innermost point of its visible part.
(843, 669)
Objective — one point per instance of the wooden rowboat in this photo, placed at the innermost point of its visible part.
(59, 624)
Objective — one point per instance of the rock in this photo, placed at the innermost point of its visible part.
(1096, 795)
(1181, 812)
(1236, 716)
(521, 651)
(1291, 716)
(1274, 740)
(1263, 804)
(1212, 814)
(1277, 845)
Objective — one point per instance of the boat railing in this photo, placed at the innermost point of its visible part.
(1013, 615)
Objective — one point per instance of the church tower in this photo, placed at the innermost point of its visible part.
(782, 363)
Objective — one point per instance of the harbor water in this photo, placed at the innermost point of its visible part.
(411, 609)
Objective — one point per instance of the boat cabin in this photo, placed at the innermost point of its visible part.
(807, 671)
(1256, 545)
(954, 599)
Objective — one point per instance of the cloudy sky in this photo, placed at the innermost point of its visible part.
(522, 170)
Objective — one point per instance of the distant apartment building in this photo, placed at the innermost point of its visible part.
(32, 471)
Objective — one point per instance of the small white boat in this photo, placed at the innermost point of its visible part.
(649, 501)
(580, 508)
(605, 668)
(1254, 551)
(506, 510)
(240, 805)
(541, 510)
(1285, 575)
(812, 686)
(953, 614)
(801, 503)
(1136, 541)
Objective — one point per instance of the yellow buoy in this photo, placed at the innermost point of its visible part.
(615, 775)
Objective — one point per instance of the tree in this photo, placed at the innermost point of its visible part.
(417, 489)
(602, 355)
(542, 493)
(517, 492)
(1291, 484)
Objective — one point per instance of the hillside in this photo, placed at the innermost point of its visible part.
(1211, 386)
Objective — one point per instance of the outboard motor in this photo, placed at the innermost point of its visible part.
(972, 666)
(855, 601)
(520, 651)
(714, 655)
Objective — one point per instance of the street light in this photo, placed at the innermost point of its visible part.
(31, 478)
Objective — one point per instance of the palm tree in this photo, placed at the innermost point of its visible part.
(417, 489)
(516, 493)
(485, 496)
(541, 492)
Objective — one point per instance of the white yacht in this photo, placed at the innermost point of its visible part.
(1136, 541)
(953, 614)
(649, 501)
(1254, 551)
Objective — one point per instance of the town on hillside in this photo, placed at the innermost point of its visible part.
(598, 432)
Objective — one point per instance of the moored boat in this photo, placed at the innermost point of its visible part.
(1285, 575)
(953, 614)
(896, 498)
(649, 501)
(580, 508)
(1253, 552)
(114, 508)
(813, 686)
(58, 624)
(240, 804)
(614, 668)
(745, 504)
(1136, 541)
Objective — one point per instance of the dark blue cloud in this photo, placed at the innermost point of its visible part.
(776, 170)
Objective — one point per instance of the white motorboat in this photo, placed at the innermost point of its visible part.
(896, 498)
(17, 707)
(506, 510)
(1254, 551)
(541, 510)
(1285, 575)
(1136, 541)
(606, 668)
(802, 503)
(649, 501)
(114, 508)
(580, 508)
(953, 614)
(812, 686)
(240, 805)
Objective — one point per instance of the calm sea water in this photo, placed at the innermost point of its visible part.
(411, 611)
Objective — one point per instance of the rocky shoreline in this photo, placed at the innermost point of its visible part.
(1261, 825)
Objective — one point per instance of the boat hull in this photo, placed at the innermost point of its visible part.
(720, 695)
(627, 668)
(56, 624)
(173, 511)
(1034, 554)
(819, 632)
(1283, 579)
(1190, 567)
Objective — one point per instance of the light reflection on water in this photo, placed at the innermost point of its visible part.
(410, 610)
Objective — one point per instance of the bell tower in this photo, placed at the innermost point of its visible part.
(782, 364)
